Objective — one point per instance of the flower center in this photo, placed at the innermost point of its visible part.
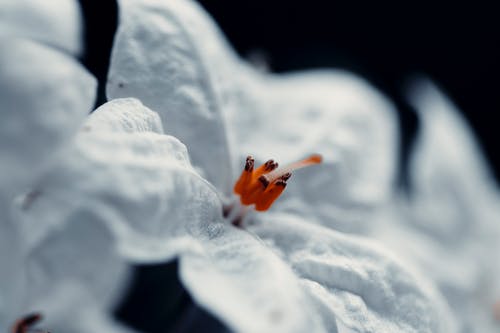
(262, 186)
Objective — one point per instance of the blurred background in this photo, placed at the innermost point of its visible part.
(456, 44)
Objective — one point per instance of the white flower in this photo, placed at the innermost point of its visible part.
(45, 94)
(282, 273)
(449, 225)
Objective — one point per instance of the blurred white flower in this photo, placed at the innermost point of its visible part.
(45, 94)
(282, 273)
(56, 23)
(449, 225)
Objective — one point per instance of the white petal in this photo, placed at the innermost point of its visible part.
(455, 200)
(71, 309)
(125, 115)
(462, 271)
(139, 182)
(336, 114)
(56, 23)
(449, 226)
(448, 170)
(12, 279)
(366, 288)
(239, 280)
(156, 58)
(80, 252)
(44, 97)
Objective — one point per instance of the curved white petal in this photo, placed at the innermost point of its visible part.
(70, 308)
(448, 170)
(80, 252)
(126, 115)
(156, 58)
(366, 288)
(73, 279)
(44, 97)
(56, 23)
(238, 279)
(139, 182)
(12, 278)
(449, 226)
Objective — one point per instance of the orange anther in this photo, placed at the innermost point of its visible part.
(270, 195)
(265, 184)
(265, 168)
(246, 176)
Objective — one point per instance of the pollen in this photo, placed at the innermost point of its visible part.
(262, 186)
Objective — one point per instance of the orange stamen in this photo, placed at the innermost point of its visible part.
(265, 184)
(248, 184)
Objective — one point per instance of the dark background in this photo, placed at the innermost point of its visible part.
(456, 44)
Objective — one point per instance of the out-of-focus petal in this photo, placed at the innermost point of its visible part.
(80, 252)
(55, 23)
(12, 278)
(139, 182)
(238, 279)
(70, 308)
(449, 226)
(156, 58)
(448, 170)
(365, 286)
(44, 97)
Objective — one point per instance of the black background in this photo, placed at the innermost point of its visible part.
(456, 44)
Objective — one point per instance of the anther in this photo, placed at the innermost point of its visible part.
(249, 164)
(263, 181)
(246, 176)
(280, 183)
(265, 184)
(285, 177)
(270, 165)
(265, 168)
